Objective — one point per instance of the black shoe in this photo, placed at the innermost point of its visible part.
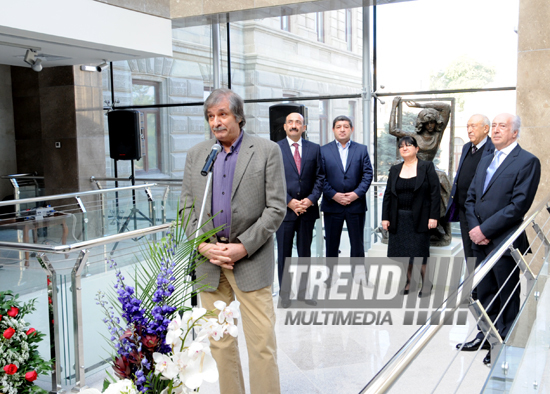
(427, 293)
(285, 303)
(473, 345)
(406, 291)
(311, 302)
(487, 359)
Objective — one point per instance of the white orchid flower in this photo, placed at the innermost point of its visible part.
(125, 386)
(202, 369)
(165, 366)
(228, 313)
(174, 330)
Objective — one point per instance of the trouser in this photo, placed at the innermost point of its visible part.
(258, 320)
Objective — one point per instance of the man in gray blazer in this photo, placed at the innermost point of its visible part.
(248, 199)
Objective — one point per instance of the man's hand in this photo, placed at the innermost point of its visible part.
(432, 223)
(296, 206)
(340, 198)
(385, 224)
(224, 255)
(305, 203)
(351, 196)
(477, 236)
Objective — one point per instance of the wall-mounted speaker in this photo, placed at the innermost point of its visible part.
(277, 118)
(126, 134)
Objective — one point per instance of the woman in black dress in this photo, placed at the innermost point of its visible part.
(411, 207)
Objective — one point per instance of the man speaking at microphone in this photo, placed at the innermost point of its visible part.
(248, 197)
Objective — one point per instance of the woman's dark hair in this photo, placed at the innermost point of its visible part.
(407, 140)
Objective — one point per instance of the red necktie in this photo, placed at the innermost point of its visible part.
(297, 158)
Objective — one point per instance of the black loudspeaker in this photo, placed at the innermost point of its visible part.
(126, 134)
(277, 118)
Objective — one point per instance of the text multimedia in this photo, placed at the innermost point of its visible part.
(336, 318)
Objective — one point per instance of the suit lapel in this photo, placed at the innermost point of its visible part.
(394, 178)
(465, 150)
(351, 152)
(507, 161)
(336, 153)
(488, 148)
(305, 151)
(287, 153)
(245, 154)
(420, 174)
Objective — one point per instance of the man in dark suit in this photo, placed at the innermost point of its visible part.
(480, 145)
(247, 199)
(304, 184)
(348, 175)
(501, 193)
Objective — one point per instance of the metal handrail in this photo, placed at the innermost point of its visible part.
(77, 194)
(21, 176)
(84, 244)
(388, 375)
(175, 180)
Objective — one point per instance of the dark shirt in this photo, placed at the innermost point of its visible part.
(222, 184)
(467, 172)
(404, 187)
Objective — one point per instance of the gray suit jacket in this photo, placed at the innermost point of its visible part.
(258, 207)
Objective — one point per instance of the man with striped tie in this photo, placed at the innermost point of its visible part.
(304, 182)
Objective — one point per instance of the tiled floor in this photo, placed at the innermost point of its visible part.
(320, 358)
(342, 359)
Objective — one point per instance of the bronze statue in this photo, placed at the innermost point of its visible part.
(430, 125)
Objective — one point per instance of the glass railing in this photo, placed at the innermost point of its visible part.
(60, 245)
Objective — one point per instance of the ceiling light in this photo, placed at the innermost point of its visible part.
(98, 68)
(103, 66)
(32, 60)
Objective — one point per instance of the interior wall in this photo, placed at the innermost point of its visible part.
(8, 162)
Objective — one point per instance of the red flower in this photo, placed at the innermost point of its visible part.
(8, 333)
(13, 311)
(31, 331)
(50, 300)
(150, 341)
(10, 369)
(31, 376)
(121, 366)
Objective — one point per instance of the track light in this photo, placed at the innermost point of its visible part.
(98, 68)
(37, 66)
(103, 66)
(32, 60)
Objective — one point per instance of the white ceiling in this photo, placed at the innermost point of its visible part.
(73, 32)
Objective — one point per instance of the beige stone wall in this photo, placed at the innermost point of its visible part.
(533, 84)
(533, 93)
(153, 7)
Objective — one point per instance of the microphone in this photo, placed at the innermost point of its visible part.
(216, 148)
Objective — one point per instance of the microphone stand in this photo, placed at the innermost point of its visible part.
(194, 299)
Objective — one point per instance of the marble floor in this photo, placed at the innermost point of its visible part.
(315, 358)
(343, 358)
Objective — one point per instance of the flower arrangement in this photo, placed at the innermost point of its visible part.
(19, 358)
(151, 326)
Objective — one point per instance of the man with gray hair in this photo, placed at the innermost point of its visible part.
(501, 193)
(480, 145)
(248, 201)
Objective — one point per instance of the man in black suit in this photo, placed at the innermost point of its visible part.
(480, 145)
(348, 175)
(304, 182)
(501, 193)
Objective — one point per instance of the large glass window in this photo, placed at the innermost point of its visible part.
(146, 93)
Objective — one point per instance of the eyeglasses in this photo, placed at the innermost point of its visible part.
(404, 145)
